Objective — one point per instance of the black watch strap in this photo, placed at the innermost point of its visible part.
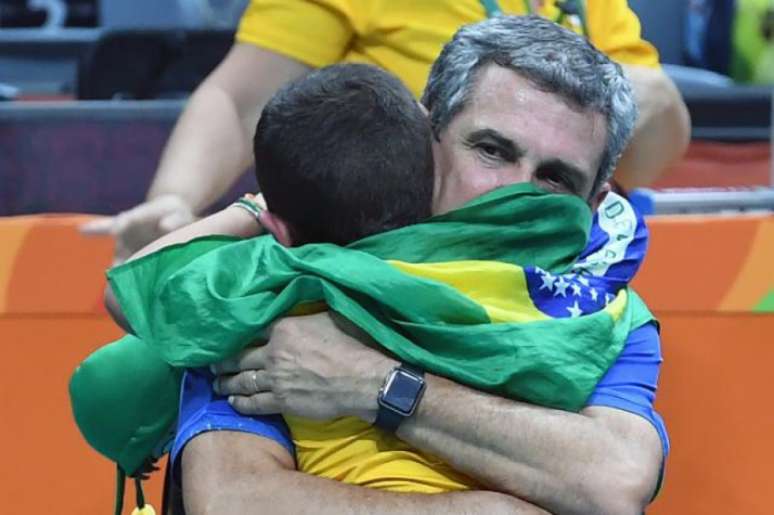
(388, 418)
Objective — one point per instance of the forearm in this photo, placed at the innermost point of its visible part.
(207, 151)
(662, 132)
(232, 221)
(564, 462)
(227, 472)
(323, 496)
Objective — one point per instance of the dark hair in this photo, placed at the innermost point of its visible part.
(344, 153)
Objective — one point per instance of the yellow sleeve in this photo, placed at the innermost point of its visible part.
(616, 31)
(315, 32)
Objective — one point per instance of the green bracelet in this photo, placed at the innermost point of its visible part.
(250, 206)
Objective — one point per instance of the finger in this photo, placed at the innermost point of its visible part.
(121, 223)
(259, 404)
(248, 382)
(251, 358)
(149, 212)
(98, 227)
(261, 201)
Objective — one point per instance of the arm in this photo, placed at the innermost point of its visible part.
(210, 146)
(662, 132)
(229, 472)
(231, 221)
(663, 127)
(601, 460)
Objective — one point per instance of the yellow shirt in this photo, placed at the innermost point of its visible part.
(351, 451)
(405, 36)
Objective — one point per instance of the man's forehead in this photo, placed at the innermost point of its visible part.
(505, 102)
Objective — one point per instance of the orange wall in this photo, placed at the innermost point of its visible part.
(703, 278)
(715, 396)
(47, 467)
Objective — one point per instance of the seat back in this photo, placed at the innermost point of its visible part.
(145, 64)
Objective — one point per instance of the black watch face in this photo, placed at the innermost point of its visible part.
(402, 392)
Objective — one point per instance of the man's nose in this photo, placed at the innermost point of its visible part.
(521, 173)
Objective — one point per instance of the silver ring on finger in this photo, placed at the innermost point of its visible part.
(254, 376)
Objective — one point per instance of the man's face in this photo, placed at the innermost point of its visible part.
(511, 132)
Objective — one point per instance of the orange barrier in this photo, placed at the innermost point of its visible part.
(51, 317)
(709, 279)
(711, 283)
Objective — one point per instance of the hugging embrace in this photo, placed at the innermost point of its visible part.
(441, 306)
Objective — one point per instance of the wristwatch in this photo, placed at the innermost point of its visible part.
(399, 396)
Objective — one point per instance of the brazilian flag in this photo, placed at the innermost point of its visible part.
(486, 295)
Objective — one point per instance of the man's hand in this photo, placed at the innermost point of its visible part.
(299, 372)
(139, 226)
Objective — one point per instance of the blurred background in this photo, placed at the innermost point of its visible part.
(90, 90)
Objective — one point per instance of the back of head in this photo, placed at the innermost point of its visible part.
(344, 153)
(553, 58)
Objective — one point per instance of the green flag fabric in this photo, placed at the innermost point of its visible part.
(201, 302)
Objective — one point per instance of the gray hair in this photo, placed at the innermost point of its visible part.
(553, 58)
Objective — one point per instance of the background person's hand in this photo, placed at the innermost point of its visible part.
(139, 226)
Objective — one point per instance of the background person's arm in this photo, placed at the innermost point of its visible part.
(210, 146)
(239, 473)
(663, 128)
(601, 460)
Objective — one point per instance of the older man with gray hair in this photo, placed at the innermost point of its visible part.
(511, 100)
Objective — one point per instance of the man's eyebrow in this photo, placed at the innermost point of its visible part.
(577, 177)
(512, 149)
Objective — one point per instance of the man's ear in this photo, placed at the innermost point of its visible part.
(599, 196)
(276, 225)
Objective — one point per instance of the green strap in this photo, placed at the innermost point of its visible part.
(120, 488)
(582, 16)
(139, 494)
(492, 7)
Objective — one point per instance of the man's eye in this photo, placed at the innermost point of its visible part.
(556, 181)
(490, 151)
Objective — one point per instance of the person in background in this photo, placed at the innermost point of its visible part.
(280, 40)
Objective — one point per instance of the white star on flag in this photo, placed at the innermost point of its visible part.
(548, 281)
(575, 310)
(593, 292)
(576, 289)
(583, 281)
(561, 287)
